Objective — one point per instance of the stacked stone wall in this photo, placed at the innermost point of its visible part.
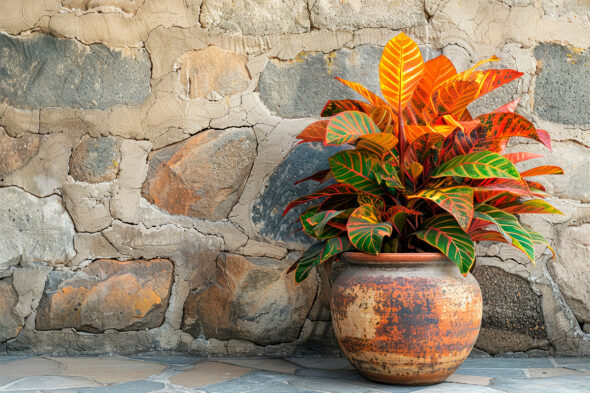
(147, 150)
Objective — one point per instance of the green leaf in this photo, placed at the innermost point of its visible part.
(388, 172)
(509, 227)
(531, 206)
(444, 233)
(380, 144)
(335, 246)
(397, 216)
(456, 200)
(309, 260)
(355, 167)
(540, 239)
(480, 165)
(365, 229)
(310, 228)
(348, 126)
(319, 220)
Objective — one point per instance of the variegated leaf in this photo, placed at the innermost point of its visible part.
(363, 91)
(479, 165)
(365, 229)
(334, 107)
(348, 126)
(456, 200)
(315, 132)
(355, 168)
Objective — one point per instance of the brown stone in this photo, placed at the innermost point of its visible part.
(253, 299)
(212, 71)
(203, 176)
(16, 152)
(95, 160)
(10, 322)
(108, 294)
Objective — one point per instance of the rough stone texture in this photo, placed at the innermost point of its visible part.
(10, 322)
(252, 299)
(88, 206)
(33, 229)
(95, 160)
(16, 152)
(42, 71)
(360, 14)
(203, 176)
(512, 314)
(127, 6)
(301, 88)
(267, 212)
(256, 17)
(212, 72)
(563, 79)
(108, 294)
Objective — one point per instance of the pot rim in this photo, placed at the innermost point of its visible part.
(390, 258)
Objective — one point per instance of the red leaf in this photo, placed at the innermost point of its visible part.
(542, 170)
(508, 108)
(335, 189)
(315, 132)
(521, 156)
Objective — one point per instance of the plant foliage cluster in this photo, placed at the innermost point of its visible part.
(421, 173)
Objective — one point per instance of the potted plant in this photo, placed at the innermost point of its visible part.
(419, 184)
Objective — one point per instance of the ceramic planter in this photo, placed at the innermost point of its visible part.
(405, 318)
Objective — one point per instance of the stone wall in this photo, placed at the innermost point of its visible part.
(147, 149)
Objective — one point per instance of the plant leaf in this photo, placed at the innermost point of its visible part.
(383, 117)
(335, 246)
(365, 229)
(508, 108)
(363, 91)
(504, 125)
(479, 165)
(509, 227)
(542, 170)
(515, 158)
(355, 167)
(531, 206)
(309, 260)
(540, 239)
(315, 132)
(444, 233)
(335, 189)
(310, 227)
(456, 200)
(414, 132)
(319, 220)
(479, 235)
(397, 216)
(400, 70)
(451, 98)
(435, 71)
(381, 144)
(333, 107)
(348, 126)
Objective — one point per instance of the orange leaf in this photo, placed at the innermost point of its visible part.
(521, 156)
(435, 71)
(543, 170)
(400, 70)
(362, 90)
(510, 107)
(413, 132)
(315, 132)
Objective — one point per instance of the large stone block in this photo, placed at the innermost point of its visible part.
(252, 299)
(16, 152)
(108, 294)
(10, 322)
(44, 71)
(561, 88)
(360, 14)
(512, 315)
(33, 229)
(212, 72)
(256, 17)
(302, 87)
(267, 212)
(95, 160)
(203, 176)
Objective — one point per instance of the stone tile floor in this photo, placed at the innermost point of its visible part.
(165, 373)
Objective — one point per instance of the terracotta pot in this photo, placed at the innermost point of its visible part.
(409, 319)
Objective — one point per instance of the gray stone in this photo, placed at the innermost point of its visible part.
(512, 314)
(354, 15)
(255, 17)
(45, 71)
(546, 385)
(252, 299)
(33, 229)
(95, 160)
(302, 88)
(10, 322)
(561, 88)
(29, 282)
(267, 212)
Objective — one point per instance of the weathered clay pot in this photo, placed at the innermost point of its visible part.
(409, 319)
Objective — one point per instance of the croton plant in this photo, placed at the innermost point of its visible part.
(420, 173)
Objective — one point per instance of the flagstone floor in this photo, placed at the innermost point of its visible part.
(165, 373)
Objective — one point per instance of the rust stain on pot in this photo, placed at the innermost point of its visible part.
(406, 323)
